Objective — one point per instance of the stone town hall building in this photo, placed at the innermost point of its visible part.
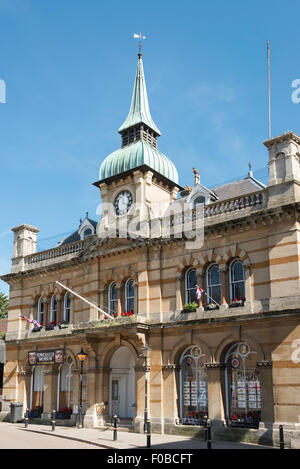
(233, 357)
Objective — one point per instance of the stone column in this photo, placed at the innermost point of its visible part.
(140, 397)
(46, 309)
(102, 305)
(178, 294)
(102, 394)
(214, 392)
(266, 392)
(248, 289)
(200, 279)
(135, 285)
(224, 285)
(119, 299)
(170, 393)
(59, 309)
(90, 418)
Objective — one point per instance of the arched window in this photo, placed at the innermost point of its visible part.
(242, 386)
(190, 286)
(67, 307)
(87, 232)
(53, 309)
(40, 312)
(198, 200)
(64, 389)
(112, 298)
(193, 387)
(237, 280)
(129, 295)
(214, 285)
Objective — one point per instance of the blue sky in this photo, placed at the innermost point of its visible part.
(69, 67)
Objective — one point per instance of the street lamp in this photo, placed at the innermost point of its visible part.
(81, 357)
(145, 352)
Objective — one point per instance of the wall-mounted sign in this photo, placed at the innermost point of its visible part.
(42, 357)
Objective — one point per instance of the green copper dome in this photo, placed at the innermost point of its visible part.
(137, 154)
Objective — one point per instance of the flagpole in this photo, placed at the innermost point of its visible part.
(269, 94)
(211, 298)
(84, 299)
(208, 295)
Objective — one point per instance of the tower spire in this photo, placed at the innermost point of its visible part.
(139, 112)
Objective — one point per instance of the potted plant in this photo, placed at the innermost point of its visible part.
(190, 307)
(62, 324)
(35, 412)
(237, 302)
(64, 413)
(210, 307)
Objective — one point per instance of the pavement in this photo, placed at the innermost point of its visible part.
(103, 438)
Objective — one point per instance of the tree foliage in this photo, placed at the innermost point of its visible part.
(3, 306)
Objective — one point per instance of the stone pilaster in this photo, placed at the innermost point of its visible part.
(266, 392)
(214, 391)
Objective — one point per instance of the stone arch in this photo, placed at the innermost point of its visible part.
(230, 340)
(235, 253)
(108, 353)
(182, 344)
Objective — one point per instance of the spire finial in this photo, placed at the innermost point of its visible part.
(197, 177)
(140, 37)
(250, 172)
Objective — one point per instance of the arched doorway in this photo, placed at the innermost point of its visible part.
(122, 384)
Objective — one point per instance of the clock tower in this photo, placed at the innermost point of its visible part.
(136, 180)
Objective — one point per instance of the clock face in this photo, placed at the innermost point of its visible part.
(122, 202)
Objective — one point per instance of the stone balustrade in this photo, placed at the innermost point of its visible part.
(254, 199)
(248, 201)
(58, 251)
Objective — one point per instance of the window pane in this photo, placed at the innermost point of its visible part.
(192, 279)
(67, 307)
(215, 293)
(237, 272)
(238, 290)
(130, 289)
(214, 275)
(114, 292)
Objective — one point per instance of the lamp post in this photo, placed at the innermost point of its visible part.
(81, 357)
(146, 351)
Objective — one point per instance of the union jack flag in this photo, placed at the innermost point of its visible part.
(198, 292)
(32, 321)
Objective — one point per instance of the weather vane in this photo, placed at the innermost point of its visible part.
(140, 37)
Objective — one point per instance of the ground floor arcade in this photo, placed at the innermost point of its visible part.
(242, 375)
